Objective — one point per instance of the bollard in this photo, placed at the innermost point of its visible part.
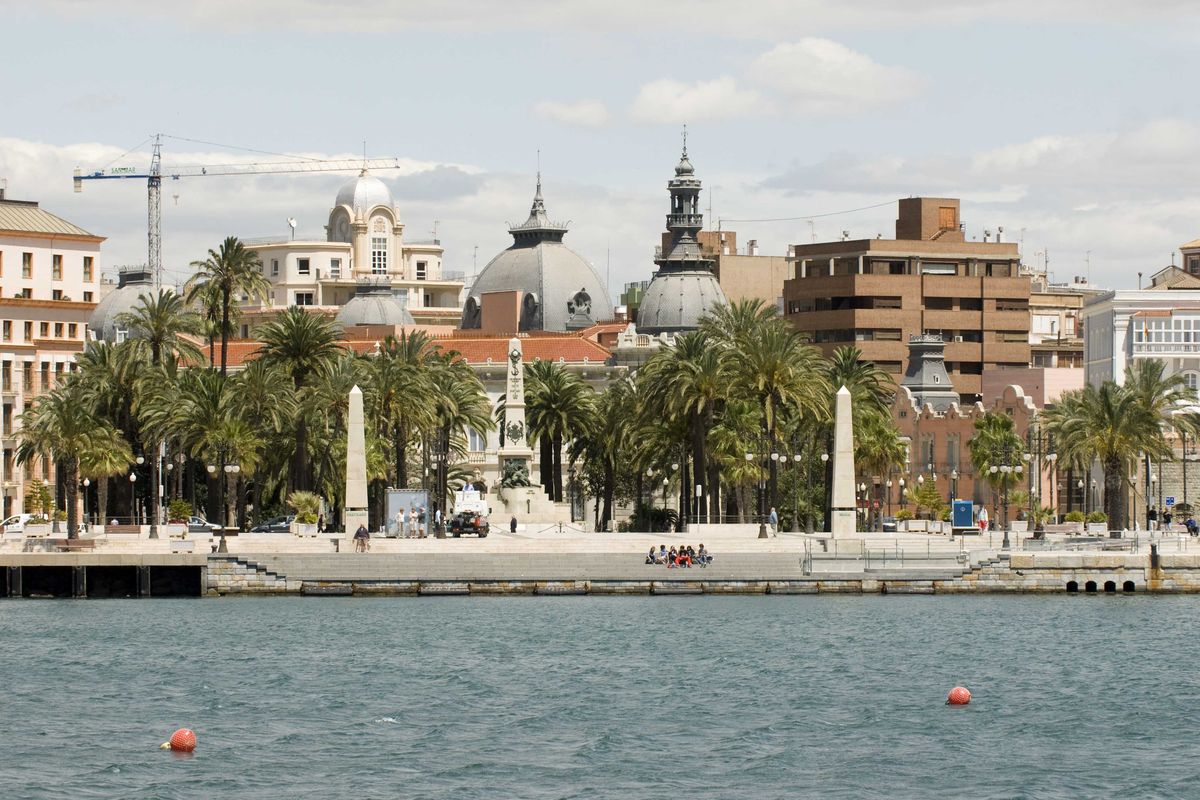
(1153, 556)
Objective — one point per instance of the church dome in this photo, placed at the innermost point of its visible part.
(675, 301)
(560, 291)
(375, 304)
(131, 285)
(364, 193)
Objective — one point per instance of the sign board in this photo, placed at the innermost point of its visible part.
(1170, 502)
(122, 171)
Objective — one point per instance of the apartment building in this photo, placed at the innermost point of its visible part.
(49, 281)
(876, 293)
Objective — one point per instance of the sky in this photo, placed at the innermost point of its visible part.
(1066, 122)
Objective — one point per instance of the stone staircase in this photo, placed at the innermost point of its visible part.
(235, 574)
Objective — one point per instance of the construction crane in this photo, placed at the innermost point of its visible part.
(155, 174)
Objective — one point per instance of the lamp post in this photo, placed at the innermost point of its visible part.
(86, 483)
(864, 507)
(903, 496)
(889, 495)
(824, 471)
(1053, 459)
(953, 486)
(1095, 494)
(796, 497)
(1150, 500)
(762, 519)
(1085, 501)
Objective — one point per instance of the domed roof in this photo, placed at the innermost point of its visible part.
(675, 301)
(364, 193)
(131, 285)
(374, 304)
(560, 290)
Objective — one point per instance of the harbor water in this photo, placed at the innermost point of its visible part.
(601, 697)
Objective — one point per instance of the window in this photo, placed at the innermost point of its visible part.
(26, 265)
(87, 268)
(1043, 359)
(421, 265)
(1193, 380)
(939, 304)
(72, 330)
(476, 441)
(87, 297)
(1012, 304)
(302, 266)
(335, 268)
(44, 329)
(1193, 265)
(947, 217)
(7, 333)
(58, 330)
(28, 331)
(274, 267)
(56, 267)
(56, 294)
(45, 378)
(304, 299)
(27, 377)
(379, 255)
(27, 293)
(939, 268)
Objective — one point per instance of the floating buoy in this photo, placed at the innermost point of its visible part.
(182, 741)
(959, 696)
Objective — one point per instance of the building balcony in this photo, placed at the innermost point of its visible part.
(1181, 349)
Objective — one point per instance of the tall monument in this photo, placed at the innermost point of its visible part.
(842, 523)
(356, 463)
(515, 453)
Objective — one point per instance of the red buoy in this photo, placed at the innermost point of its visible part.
(184, 740)
(959, 696)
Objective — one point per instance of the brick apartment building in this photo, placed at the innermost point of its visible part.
(876, 293)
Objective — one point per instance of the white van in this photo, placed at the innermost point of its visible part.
(16, 524)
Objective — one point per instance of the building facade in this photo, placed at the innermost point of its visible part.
(49, 282)
(364, 243)
(875, 293)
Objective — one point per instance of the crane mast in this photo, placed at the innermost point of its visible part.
(155, 175)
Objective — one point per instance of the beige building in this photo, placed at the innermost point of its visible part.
(364, 248)
(876, 293)
(49, 282)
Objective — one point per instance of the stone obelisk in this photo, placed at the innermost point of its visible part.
(515, 452)
(843, 522)
(356, 464)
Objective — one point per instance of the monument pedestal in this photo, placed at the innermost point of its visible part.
(843, 523)
(354, 519)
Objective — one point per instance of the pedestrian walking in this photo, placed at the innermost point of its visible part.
(437, 519)
(774, 520)
(412, 521)
(321, 523)
(512, 524)
(421, 523)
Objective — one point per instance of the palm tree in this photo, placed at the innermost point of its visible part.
(267, 402)
(99, 462)
(878, 447)
(559, 405)
(1111, 424)
(160, 323)
(871, 389)
(230, 271)
(996, 452)
(304, 346)
(61, 425)
(604, 440)
(460, 402)
(401, 391)
(688, 382)
(738, 323)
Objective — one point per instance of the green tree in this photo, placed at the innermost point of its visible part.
(878, 448)
(160, 323)
(559, 404)
(62, 426)
(996, 444)
(228, 272)
(304, 346)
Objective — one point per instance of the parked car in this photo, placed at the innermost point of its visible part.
(468, 522)
(16, 523)
(201, 525)
(275, 525)
(889, 524)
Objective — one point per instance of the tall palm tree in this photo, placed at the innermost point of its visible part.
(229, 271)
(401, 392)
(871, 389)
(878, 447)
(160, 323)
(689, 381)
(304, 346)
(739, 322)
(995, 443)
(99, 462)
(604, 441)
(61, 425)
(268, 403)
(559, 405)
(460, 402)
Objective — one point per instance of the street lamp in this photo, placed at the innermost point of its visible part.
(953, 485)
(889, 495)
(862, 492)
(86, 483)
(903, 497)
(1079, 485)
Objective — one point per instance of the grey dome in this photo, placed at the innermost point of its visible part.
(560, 290)
(375, 305)
(364, 193)
(131, 286)
(675, 301)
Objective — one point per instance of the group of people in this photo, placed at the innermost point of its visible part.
(413, 526)
(683, 556)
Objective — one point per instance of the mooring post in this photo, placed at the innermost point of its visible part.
(14, 582)
(79, 581)
(143, 580)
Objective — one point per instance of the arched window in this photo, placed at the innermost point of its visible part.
(1193, 379)
(476, 441)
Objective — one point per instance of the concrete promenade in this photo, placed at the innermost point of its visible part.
(553, 562)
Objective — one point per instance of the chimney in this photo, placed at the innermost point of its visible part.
(999, 233)
(3, 187)
(752, 247)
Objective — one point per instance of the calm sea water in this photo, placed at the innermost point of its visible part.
(756, 697)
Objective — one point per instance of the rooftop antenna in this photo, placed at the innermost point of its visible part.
(292, 225)
(475, 261)
(435, 224)
(1087, 259)
(685, 140)
(364, 155)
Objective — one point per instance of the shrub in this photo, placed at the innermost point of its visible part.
(306, 505)
(904, 514)
(179, 510)
(944, 515)
(1097, 516)
(1074, 516)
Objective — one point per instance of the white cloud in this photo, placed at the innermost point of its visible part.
(675, 102)
(819, 76)
(583, 114)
